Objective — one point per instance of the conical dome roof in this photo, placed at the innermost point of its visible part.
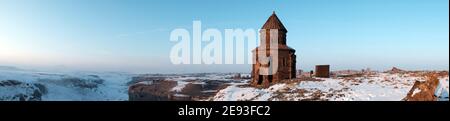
(274, 23)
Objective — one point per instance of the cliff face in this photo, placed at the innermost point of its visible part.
(151, 91)
(12, 90)
(148, 88)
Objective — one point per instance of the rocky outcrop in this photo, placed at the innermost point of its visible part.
(395, 70)
(13, 90)
(157, 90)
(162, 90)
(423, 91)
(138, 79)
(147, 89)
(192, 89)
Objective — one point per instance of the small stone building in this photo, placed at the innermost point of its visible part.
(263, 74)
(322, 71)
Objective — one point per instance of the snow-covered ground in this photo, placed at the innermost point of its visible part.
(379, 87)
(16, 84)
(71, 86)
(236, 93)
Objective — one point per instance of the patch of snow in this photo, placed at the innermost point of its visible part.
(209, 91)
(180, 86)
(235, 93)
(146, 82)
(417, 90)
(180, 95)
(442, 89)
(381, 87)
(325, 85)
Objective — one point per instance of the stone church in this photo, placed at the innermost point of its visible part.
(264, 71)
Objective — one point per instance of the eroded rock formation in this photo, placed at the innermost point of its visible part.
(423, 90)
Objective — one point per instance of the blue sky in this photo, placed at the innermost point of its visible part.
(124, 35)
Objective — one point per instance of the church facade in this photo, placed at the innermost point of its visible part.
(273, 63)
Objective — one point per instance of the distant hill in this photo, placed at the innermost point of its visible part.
(9, 68)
